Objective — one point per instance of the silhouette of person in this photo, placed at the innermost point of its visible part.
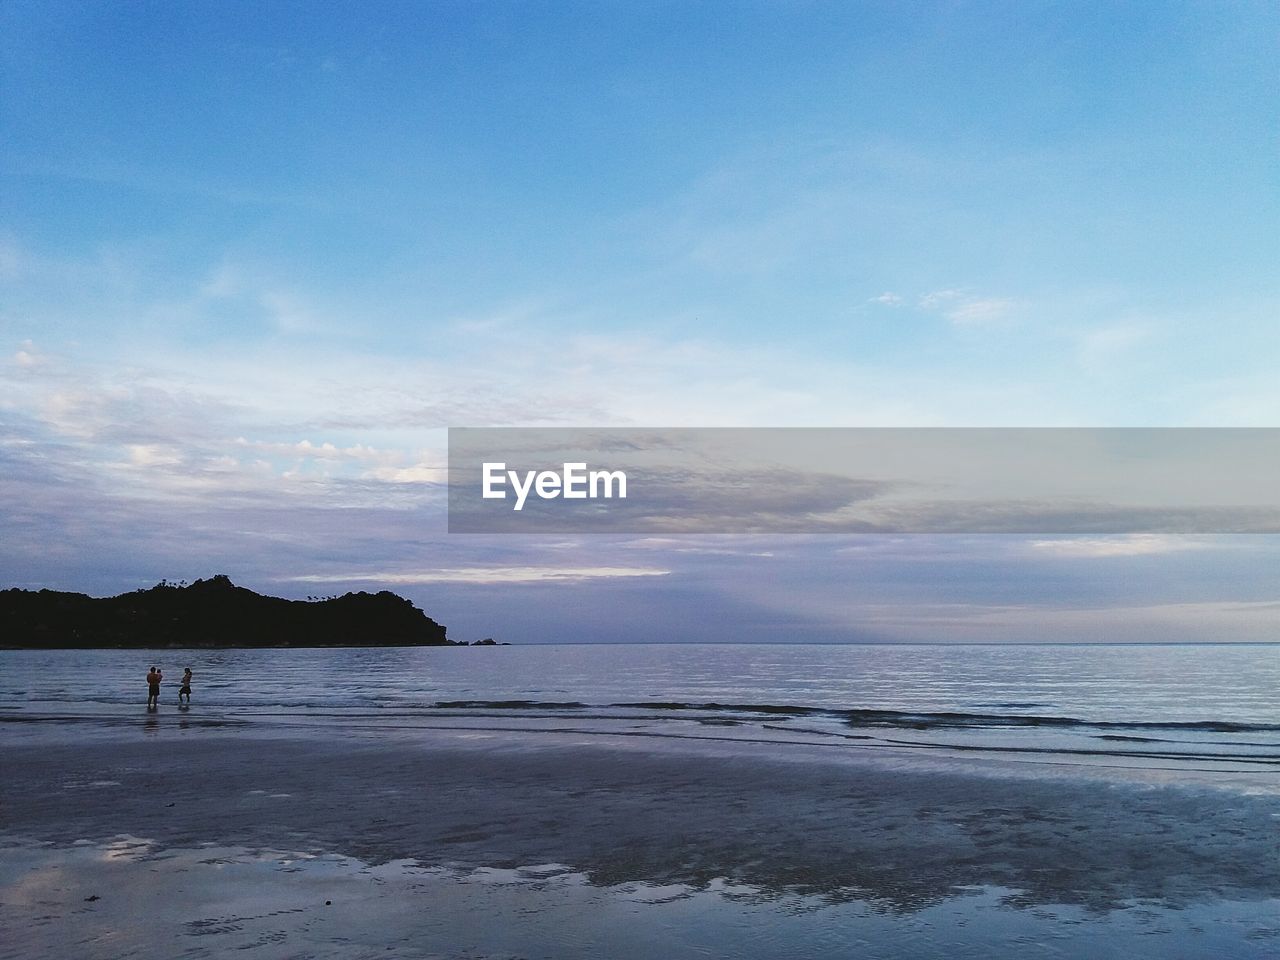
(185, 689)
(153, 687)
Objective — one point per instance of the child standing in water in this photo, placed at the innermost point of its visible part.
(153, 687)
(185, 689)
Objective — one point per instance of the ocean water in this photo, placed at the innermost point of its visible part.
(1205, 707)
(522, 851)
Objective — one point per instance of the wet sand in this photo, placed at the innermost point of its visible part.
(472, 845)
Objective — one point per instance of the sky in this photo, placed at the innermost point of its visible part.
(255, 258)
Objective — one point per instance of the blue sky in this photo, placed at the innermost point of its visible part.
(255, 257)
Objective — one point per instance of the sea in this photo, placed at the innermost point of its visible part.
(1203, 718)
(1202, 708)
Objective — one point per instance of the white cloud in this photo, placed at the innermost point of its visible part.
(305, 449)
(1135, 545)
(980, 312)
(690, 545)
(28, 356)
(153, 455)
(417, 473)
(966, 310)
(938, 299)
(486, 575)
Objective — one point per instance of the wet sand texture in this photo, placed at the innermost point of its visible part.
(899, 838)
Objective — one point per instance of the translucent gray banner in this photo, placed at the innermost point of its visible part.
(863, 480)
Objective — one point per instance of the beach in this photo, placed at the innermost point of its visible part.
(492, 480)
(186, 840)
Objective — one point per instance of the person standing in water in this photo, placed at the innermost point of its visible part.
(185, 689)
(153, 687)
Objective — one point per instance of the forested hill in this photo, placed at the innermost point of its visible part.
(210, 613)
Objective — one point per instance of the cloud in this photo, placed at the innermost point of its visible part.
(981, 311)
(695, 547)
(486, 575)
(1136, 545)
(140, 459)
(937, 299)
(153, 455)
(249, 295)
(28, 356)
(1088, 482)
(887, 299)
(966, 310)
(326, 450)
(1065, 515)
(417, 473)
(682, 498)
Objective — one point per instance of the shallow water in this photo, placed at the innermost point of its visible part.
(1201, 708)
(210, 900)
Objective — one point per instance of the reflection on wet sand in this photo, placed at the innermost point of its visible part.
(895, 837)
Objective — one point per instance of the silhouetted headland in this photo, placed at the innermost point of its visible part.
(211, 613)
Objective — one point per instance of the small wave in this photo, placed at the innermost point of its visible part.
(1261, 759)
(895, 718)
(1266, 759)
(507, 705)
(923, 720)
(1013, 705)
(769, 708)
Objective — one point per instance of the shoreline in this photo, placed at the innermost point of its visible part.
(492, 798)
(501, 824)
(638, 803)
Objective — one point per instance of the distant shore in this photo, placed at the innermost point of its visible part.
(211, 614)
